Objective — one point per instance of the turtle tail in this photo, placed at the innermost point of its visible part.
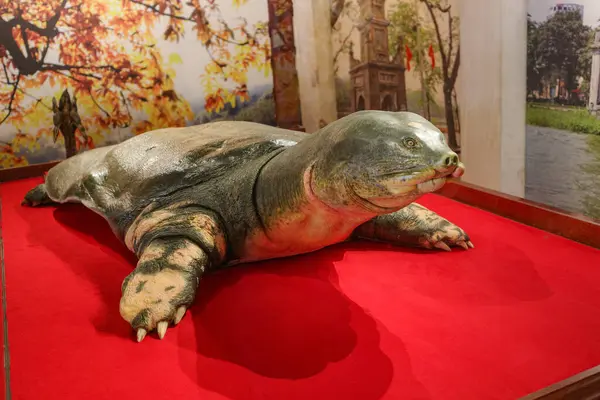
(38, 196)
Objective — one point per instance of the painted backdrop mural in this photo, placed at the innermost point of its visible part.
(76, 74)
(398, 55)
(563, 123)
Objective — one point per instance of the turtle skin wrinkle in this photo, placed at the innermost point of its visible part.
(190, 200)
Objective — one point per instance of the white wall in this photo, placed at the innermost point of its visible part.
(314, 61)
(492, 92)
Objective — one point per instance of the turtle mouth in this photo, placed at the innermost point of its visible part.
(401, 189)
(431, 185)
(426, 181)
(439, 179)
(419, 187)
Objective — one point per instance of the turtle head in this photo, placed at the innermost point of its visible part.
(382, 160)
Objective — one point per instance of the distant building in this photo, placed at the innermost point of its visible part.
(566, 7)
(377, 80)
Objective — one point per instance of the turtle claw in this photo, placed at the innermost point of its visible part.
(141, 334)
(161, 328)
(471, 245)
(179, 314)
(442, 246)
(463, 244)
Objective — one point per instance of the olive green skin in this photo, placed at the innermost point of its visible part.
(229, 192)
(203, 164)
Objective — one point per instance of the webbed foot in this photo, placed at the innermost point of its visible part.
(444, 235)
(153, 301)
(417, 226)
(162, 287)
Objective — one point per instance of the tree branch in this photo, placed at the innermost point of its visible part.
(26, 41)
(337, 6)
(343, 45)
(454, 73)
(430, 8)
(6, 73)
(450, 35)
(45, 51)
(58, 67)
(442, 9)
(30, 58)
(49, 31)
(127, 108)
(27, 65)
(155, 8)
(37, 100)
(12, 99)
(96, 103)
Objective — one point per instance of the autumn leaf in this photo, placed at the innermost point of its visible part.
(106, 53)
(175, 58)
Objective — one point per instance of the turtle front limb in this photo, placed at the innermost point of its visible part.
(176, 245)
(163, 285)
(414, 225)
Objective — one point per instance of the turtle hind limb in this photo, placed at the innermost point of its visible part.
(37, 197)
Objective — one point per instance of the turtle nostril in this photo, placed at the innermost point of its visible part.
(450, 160)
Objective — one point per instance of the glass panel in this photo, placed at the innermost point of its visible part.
(563, 125)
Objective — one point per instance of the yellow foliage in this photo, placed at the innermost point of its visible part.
(9, 160)
(175, 58)
(107, 55)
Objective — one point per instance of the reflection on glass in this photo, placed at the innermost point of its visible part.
(563, 124)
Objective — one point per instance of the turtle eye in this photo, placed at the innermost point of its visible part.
(410, 143)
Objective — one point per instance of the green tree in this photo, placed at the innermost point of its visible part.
(561, 48)
(534, 72)
(449, 50)
(585, 64)
(406, 24)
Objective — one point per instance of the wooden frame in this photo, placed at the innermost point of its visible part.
(30, 171)
(5, 367)
(572, 226)
(585, 385)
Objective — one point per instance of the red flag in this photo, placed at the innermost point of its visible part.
(432, 56)
(408, 57)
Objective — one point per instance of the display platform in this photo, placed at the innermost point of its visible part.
(362, 321)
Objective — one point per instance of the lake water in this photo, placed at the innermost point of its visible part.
(563, 170)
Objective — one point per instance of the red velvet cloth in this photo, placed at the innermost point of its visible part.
(357, 321)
